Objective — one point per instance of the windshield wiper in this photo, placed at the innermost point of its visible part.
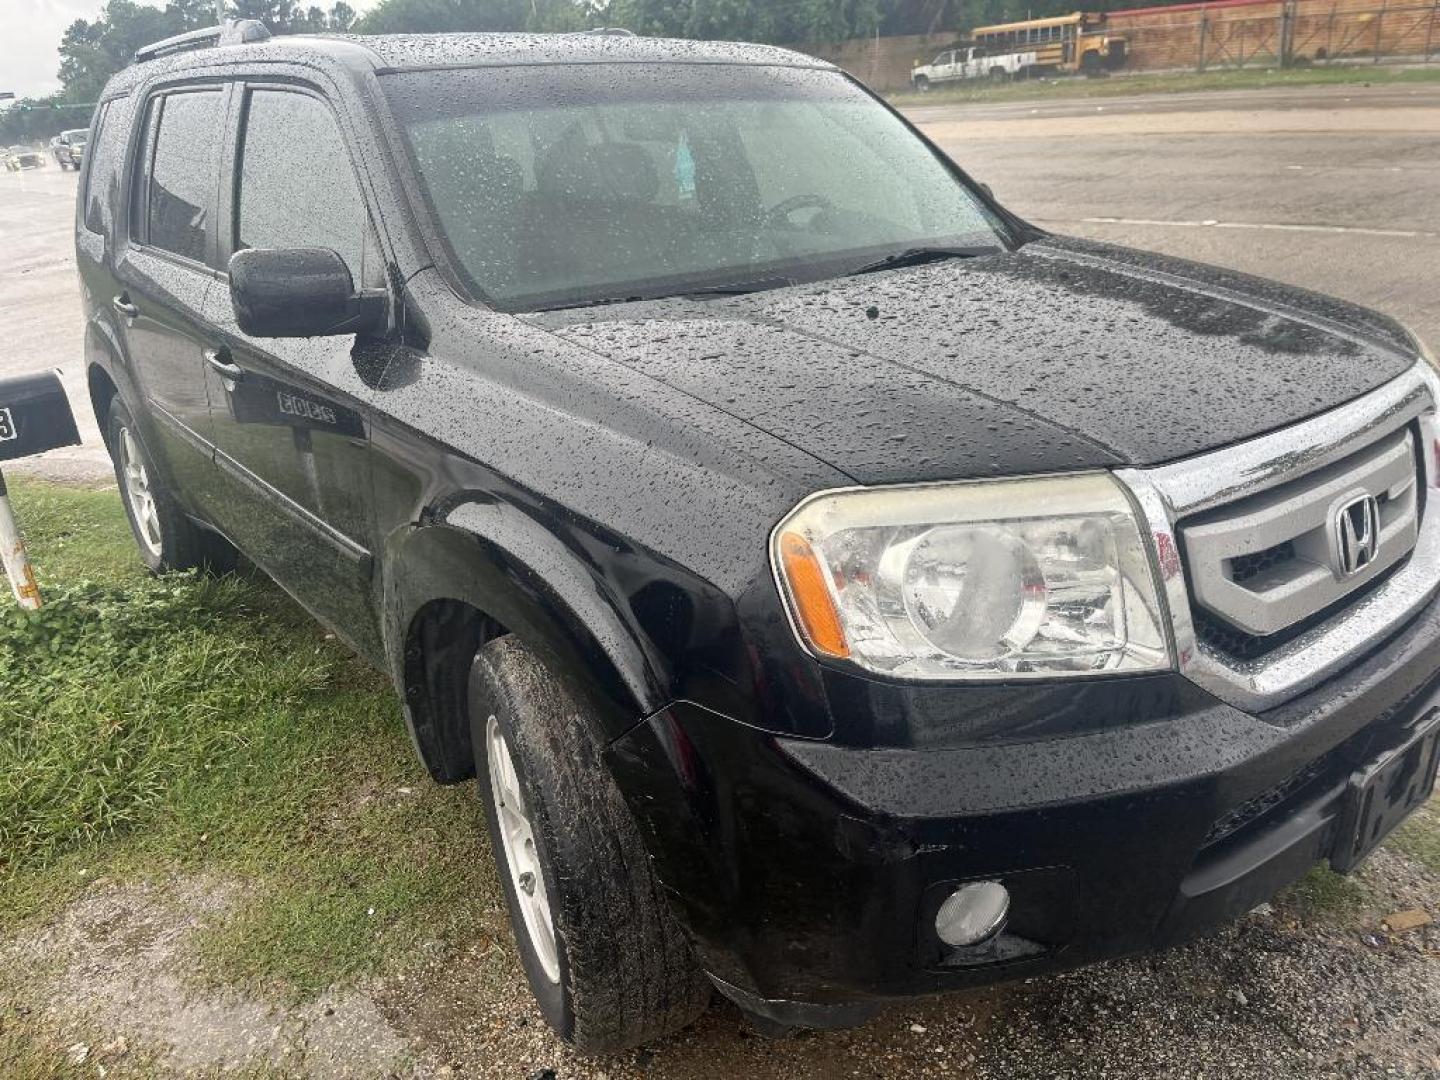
(739, 288)
(917, 256)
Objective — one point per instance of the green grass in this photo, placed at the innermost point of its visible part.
(1065, 89)
(152, 727)
(1419, 838)
(1325, 895)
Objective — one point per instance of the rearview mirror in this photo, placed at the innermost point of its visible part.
(300, 292)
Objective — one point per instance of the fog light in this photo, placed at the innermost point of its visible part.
(973, 914)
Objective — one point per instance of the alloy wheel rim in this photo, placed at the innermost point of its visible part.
(522, 860)
(138, 493)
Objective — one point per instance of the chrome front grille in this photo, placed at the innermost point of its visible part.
(1267, 562)
(1270, 590)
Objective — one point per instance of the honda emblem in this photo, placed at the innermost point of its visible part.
(1357, 535)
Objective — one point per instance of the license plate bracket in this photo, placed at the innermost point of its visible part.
(1387, 791)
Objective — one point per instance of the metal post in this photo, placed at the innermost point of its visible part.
(1200, 57)
(12, 554)
(1379, 23)
(1430, 29)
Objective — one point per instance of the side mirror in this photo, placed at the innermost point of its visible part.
(300, 292)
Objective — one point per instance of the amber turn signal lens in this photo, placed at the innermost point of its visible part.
(814, 608)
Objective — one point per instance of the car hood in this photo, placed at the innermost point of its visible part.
(1061, 355)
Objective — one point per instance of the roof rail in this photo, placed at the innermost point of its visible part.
(232, 32)
(609, 31)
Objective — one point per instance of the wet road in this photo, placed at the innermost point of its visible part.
(1332, 188)
(40, 304)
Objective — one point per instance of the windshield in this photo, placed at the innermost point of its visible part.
(76, 135)
(554, 186)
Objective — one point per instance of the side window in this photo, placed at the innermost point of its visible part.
(98, 165)
(184, 173)
(297, 187)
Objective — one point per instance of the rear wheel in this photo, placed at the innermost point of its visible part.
(607, 962)
(167, 539)
(922, 84)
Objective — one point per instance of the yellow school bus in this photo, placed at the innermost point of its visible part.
(1071, 43)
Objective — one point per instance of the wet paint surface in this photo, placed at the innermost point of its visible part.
(1052, 358)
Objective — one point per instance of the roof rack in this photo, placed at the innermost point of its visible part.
(231, 32)
(609, 31)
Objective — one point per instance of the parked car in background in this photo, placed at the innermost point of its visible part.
(839, 588)
(970, 62)
(70, 148)
(23, 157)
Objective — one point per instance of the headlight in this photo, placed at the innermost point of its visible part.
(995, 579)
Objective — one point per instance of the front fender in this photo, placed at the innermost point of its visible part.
(495, 559)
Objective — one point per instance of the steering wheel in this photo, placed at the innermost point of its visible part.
(779, 214)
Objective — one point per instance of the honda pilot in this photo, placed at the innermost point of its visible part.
(838, 588)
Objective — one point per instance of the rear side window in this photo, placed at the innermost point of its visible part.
(98, 166)
(297, 187)
(184, 173)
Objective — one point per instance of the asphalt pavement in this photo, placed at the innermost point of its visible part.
(1335, 189)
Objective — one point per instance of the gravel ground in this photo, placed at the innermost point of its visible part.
(111, 983)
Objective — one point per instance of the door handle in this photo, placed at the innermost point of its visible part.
(122, 304)
(219, 359)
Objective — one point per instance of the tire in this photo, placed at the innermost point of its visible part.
(167, 539)
(922, 85)
(999, 75)
(616, 970)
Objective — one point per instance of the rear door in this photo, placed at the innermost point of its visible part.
(290, 434)
(165, 273)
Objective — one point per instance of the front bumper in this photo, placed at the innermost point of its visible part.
(808, 873)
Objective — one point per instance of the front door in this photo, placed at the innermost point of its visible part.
(290, 434)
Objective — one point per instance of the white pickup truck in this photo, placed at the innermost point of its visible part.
(969, 62)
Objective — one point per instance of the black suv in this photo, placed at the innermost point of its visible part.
(839, 588)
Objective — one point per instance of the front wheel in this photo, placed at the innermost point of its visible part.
(167, 539)
(606, 959)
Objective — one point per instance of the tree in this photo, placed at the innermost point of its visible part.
(341, 17)
(444, 16)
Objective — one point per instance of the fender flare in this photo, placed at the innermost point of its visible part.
(105, 353)
(494, 559)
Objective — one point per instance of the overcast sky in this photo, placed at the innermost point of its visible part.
(31, 34)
